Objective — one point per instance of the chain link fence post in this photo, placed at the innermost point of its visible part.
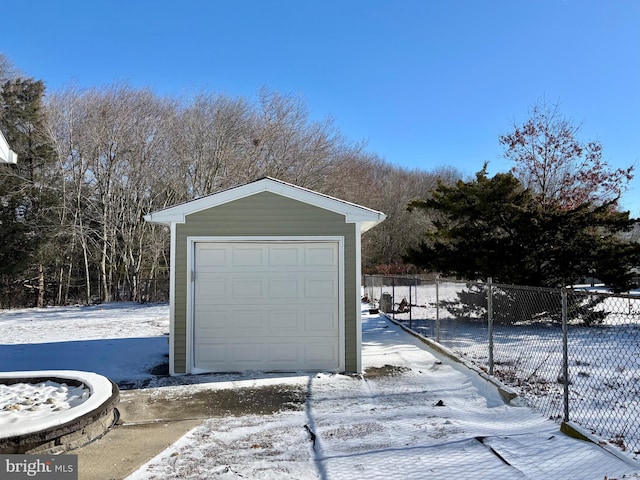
(393, 298)
(437, 308)
(565, 354)
(365, 285)
(490, 322)
(411, 304)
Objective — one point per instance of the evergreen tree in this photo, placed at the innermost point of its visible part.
(27, 199)
(494, 227)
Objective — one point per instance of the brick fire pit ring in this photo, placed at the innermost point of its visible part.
(68, 429)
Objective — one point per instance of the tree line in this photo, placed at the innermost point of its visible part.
(93, 162)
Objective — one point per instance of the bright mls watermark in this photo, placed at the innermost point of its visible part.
(51, 467)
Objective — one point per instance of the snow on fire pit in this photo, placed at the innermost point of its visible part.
(40, 405)
(29, 401)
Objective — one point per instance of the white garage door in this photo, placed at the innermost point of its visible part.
(268, 306)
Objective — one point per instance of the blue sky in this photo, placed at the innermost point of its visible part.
(425, 83)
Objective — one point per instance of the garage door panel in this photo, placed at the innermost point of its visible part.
(266, 306)
(273, 288)
(269, 354)
(231, 322)
(215, 355)
(284, 256)
(320, 353)
(247, 289)
(248, 256)
(247, 320)
(211, 322)
(284, 288)
(246, 353)
(212, 257)
(320, 288)
(208, 284)
(287, 321)
(284, 354)
(247, 323)
(320, 321)
(321, 256)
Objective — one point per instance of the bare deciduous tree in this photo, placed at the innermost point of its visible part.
(111, 143)
(122, 152)
(8, 71)
(558, 167)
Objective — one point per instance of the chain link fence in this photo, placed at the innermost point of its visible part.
(572, 354)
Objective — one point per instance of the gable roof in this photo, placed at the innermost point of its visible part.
(353, 213)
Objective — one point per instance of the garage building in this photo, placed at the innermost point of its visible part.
(265, 276)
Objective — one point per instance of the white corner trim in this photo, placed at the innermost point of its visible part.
(172, 301)
(358, 300)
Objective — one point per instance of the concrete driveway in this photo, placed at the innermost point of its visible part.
(152, 419)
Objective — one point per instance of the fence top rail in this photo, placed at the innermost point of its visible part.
(507, 286)
(584, 291)
(578, 291)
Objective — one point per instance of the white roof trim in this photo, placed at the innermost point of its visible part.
(6, 154)
(366, 217)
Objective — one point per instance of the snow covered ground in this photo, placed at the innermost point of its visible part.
(122, 341)
(604, 369)
(413, 415)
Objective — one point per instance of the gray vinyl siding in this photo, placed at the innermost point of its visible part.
(266, 214)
